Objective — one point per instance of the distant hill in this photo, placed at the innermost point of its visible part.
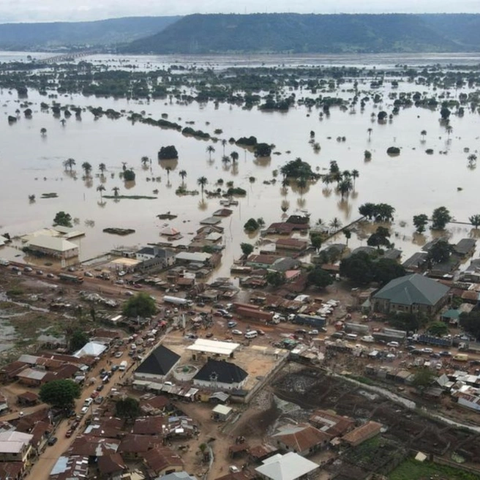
(24, 36)
(297, 33)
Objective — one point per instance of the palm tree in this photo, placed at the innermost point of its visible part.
(355, 174)
(369, 130)
(183, 174)
(423, 133)
(335, 223)
(449, 130)
(225, 159)
(115, 191)
(102, 167)
(87, 168)
(348, 234)
(210, 150)
(202, 181)
(234, 156)
(101, 189)
(144, 161)
(345, 186)
(43, 131)
(69, 163)
(224, 143)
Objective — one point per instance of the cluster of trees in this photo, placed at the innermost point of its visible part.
(318, 277)
(168, 153)
(440, 218)
(345, 180)
(379, 212)
(362, 269)
(253, 225)
(298, 169)
(60, 393)
(140, 305)
(380, 238)
(470, 322)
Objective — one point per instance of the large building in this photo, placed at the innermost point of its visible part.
(53, 246)
(410, 294)
(157, 365)
(290, 466)
(220, 375)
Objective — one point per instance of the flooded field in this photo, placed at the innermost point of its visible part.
(413, 182)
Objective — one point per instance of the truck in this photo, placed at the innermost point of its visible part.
(311, 320)
(177, 300)
(123, 366)
(357, 328)
(70, 278)
(254, 313)
(431, 340)
(461, 357)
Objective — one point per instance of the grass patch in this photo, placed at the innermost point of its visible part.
(413, 470)
(27, 326)
(129, 197)
(15, 292)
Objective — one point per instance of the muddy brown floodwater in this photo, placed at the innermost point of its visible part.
(413, 182)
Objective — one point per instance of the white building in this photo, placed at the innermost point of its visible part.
(286, 467)
(53, 246)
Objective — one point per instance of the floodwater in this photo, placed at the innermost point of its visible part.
(413, 182)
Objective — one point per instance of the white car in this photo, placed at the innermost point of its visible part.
(84, 410)
(236, 332)
(313, 332)
(393, 344)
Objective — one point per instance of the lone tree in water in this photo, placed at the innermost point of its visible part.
(440, 217)
(63, 219)
(420, 222)
(202, 181)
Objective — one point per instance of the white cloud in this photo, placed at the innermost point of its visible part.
(50, 10)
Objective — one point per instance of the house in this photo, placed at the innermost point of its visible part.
(164, 256)
(171, 233)
(111, 465)
(3, 403)
(178, 476)
(410, 294)
(302, 439)
(261, 261)
(15, 447)
(291, 244)
(41, 433)
(93, 447)
(220, 375)
(32, 377)
(211, 221)
(12, 470)
(91, 349)
(284, 264)
(223, 212)
(465, 247)
(157, 365)
(149, 425)
(135, 446)
(362, 434)
(53, 247)
(72, 467)
(290, 466)
(416, 262)
(185, 258)
(162, 461)
(154, 405)
(285, 228)
(222, 412)
(330, 423)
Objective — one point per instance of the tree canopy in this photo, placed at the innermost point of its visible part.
(247, 248)
(60, 393)
(297, 169)
(362, 269)
(440, 252)
(78, 340)
(168, 153)
(410, 322)
(140, 305)
(440, 217)
(470, 322)
(423, 378)
(319, 277)
(276, 279)
(128, 408)
(63, 219)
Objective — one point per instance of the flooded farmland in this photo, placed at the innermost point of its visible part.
(414, 182)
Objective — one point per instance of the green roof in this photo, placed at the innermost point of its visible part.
(413, 290)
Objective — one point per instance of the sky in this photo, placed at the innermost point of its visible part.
(77, 10)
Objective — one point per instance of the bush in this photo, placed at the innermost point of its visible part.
(168, 153)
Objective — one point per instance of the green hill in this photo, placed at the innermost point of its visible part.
(24, 36)
(296, 33)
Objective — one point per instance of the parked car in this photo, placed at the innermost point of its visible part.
(393, 344)
(39, 272)
(50, 275)
(300, 331)
(231, 324)
(88, 274)
(445, 353)
(69, 433)
(236, 332)
(118, 354)
(52, 441)
(84, 410)
(313, 332)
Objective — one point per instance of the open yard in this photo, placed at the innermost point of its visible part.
(413, 470)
